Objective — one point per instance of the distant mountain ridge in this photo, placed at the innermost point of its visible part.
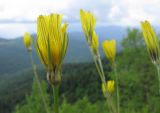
(14, 56)
(2, 39)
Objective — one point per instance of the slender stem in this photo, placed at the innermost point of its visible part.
(158, 69)
(99, 69)
(99, 66)
(117, 88)
(56, 94)
(38, 82)
(98, 63)
(110, 102)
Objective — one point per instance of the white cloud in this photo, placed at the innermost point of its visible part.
(15, 30)
(139, 10)
(113, 12)
(30, 9)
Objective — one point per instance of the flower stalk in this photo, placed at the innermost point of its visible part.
(158, 71)
(51, 45)
(109, 47)
(99, 66)
(117, 87)
(54, 79)
(56, 98)
(38, 82)
(28, 45)
(88, 25)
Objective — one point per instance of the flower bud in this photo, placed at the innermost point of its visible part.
(109, 47)
(108, 87)
(27, 41)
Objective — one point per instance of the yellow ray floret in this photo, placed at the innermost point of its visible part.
(95, 42)
(52, 40)
(108, 87)
(88, 24)
(27, 41)
(109, 47)
(150, 40)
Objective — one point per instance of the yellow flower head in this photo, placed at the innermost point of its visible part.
(109, 47)
(88, 24)
(108, 87)
(27, 41)
(52, 40)
(150, 40)
(95, 43)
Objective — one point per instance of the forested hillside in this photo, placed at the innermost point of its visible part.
(138, 84)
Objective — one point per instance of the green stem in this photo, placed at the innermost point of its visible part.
(158, 69)
(99, 69)
(98, 63)
(117, 88)
(56, 94)
(38, 82)
(99, 66)
(109, 100)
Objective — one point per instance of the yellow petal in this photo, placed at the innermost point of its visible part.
(50, 38)
(88, 22)
(109, 47)
(95, 42)
(108, 87)
(151, 40)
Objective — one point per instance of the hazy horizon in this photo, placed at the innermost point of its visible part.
(17, 30)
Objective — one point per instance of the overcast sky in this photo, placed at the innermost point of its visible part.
(18, 16)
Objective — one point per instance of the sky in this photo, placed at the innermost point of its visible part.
(19, 16)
